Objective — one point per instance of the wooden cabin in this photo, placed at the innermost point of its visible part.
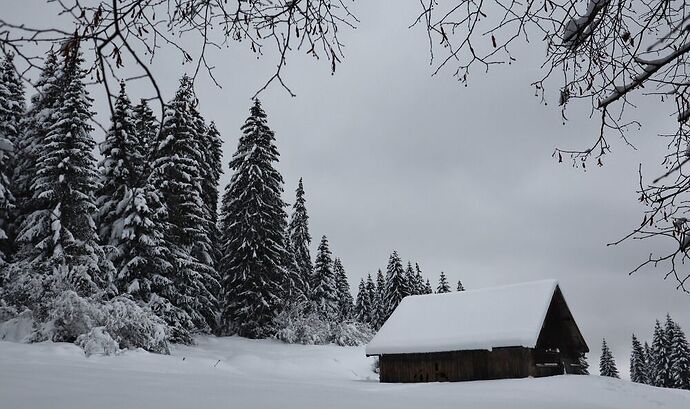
(513, 331)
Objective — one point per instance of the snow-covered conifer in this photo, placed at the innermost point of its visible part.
(411, 279)
(460, 286)
(396, 286)
(60, 234)
(584, 365)
(12, 109)
(120, 172)
(176, 175)
(647, 363)
(34, 130)
(679, 372)
(345, 301)
(300, 239)
(371, 295)
(638, 366)
(210, 148)
(607, 365)
(443, 285)
(146, 127)
(659, 358)
(253, 224)
(379, 308)
(325, 291)
(427, 287)
(419, 280)
(363, 303)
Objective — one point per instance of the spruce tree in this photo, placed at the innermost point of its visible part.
(460, 286)
(210, 148)
(411, 281)
(584, 365)
(11, 113)
(325, 292)
(29, 145)
(146, 128)
(363, 303)
(659, 358)
(176, 175)
(443, 285)
(637, 362)
(679, 372)
(253, 224)
(647, 363)
(427, 287)
(59, 237)
(294, 287)
(345, 301)
(119, 171)
(298, 231)
(371, 296)
(380, 300)
(419, 280)
(607, 365)
(396, 286)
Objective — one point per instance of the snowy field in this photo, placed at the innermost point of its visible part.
(240, 373)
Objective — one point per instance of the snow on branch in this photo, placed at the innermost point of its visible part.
(649, 68)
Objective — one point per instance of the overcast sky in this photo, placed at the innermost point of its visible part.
(459, 179)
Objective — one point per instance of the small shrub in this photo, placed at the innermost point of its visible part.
(97, 341)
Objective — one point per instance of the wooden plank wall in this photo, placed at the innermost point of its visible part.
(456, 366)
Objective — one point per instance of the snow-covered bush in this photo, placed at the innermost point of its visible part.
(7, 312)
(351, 333)
(72, 316)
(300, 324)
(93, 324)
(26, 286)
(132, 326)
(376, 367)
(17, 328)
(97, 341)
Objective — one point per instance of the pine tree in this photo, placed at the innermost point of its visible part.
(363, 303)
(460, 286)
(427, 287)
(325, 292)
(396, 286)
(176, 175)
(298, 231)
(60, 235)
(11, 112)
(443, 285)
(637, 362)
(607, 365)
(345, 302)
(380, 300)
(371, 296)
(679, 372)
(659, 358)
(253, 224)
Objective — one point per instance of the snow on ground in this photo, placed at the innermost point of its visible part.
(239, 373)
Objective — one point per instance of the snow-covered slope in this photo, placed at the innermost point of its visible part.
(241, 373)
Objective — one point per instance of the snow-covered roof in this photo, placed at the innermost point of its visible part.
(488, 318)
